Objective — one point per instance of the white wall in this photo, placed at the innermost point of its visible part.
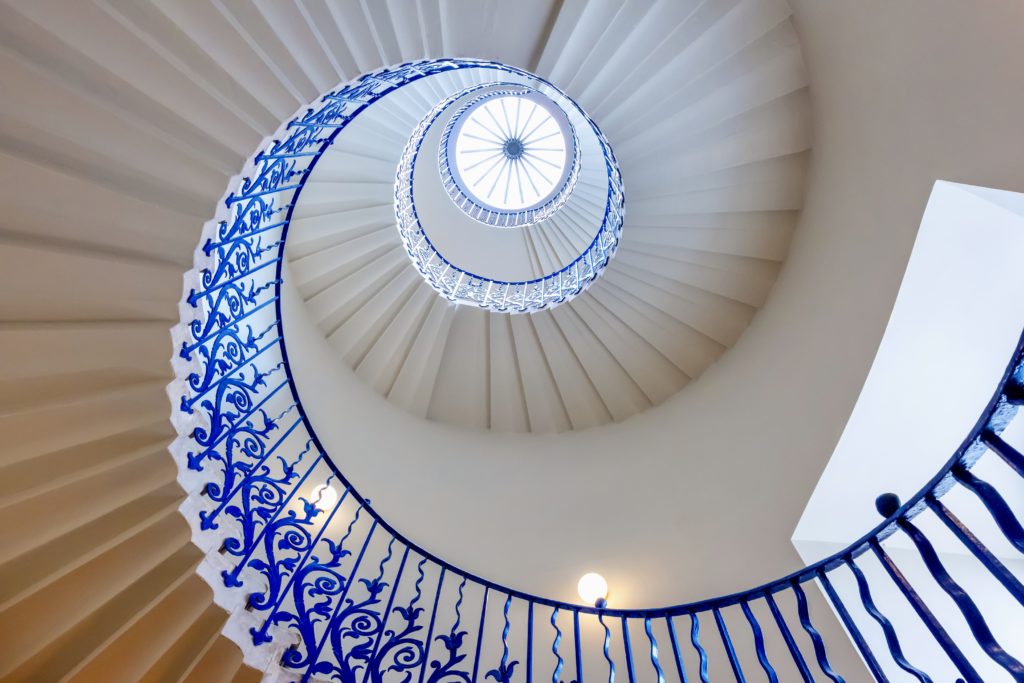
(955, 325)
(956, 322)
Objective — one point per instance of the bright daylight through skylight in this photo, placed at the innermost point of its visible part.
(511, 153)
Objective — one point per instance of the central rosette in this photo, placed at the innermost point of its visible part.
(512, 154)
(518, 154)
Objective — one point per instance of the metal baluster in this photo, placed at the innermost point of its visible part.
(387, 610)
(197, 393)
(627, 646)
(433, 617)
(978, 549)
(680, 669)
(503, 672)
(208, 521)
(995, 504)
(819, 645)
(851, 626)
(1014, 391)
(529, 642)
(887, 628)
(556, 676)
(195, 460)
(947, 644)
(963, 601)
(654, 650)
(258, 538)
(607, 644)
(729, 649)
(579, 648)
(798, 657)
(480, 634)
(762, 656)
(341, 601)
(260, 635)
(1010, 455)
(695, 639)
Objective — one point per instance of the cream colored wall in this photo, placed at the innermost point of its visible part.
(897, 103)
(903, 93)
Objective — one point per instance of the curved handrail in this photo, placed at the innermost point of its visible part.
(461, 285)
(250, 460)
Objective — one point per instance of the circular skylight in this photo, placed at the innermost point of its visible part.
(510, 153)
(510, 157)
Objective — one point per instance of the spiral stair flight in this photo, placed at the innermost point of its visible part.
(130, 118)
(106, 176)
(713, 191)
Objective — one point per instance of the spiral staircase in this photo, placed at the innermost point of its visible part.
(126, 125)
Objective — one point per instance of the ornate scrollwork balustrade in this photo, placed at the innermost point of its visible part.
(323, 588)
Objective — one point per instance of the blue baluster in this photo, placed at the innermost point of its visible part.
(480, 634)
(762, 656)
(938, 632)
(701, 653)
(387, 609)
(529, 642)
(578, 645)
(557, 675)
(263, 600)
(453, 645)
(798, 657)
(996, 505)
(505, 669)
(628, 650)
(978, 549)
(887, 628)
(963, 602)
(851, 627)
(433, 619)
(264, 500)
(729, 649)
(674, 639)
(654, 650)
(819, 645)
(1010, 455)
(1014, 391)
(607, 646)
(315, 656)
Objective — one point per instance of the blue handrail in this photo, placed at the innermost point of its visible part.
(326, 583)
(461, 285)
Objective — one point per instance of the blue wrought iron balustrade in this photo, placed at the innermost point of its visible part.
(323, 588)
(462, 286)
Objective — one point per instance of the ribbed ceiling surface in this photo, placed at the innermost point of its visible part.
(711, 129)
(120, 124)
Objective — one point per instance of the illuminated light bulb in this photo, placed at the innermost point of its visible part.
(593, 589)
(324, 497)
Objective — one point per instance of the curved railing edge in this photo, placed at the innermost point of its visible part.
(997, 413)
(597, 250)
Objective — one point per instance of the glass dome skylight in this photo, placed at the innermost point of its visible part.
(509, 157)
(510, 153)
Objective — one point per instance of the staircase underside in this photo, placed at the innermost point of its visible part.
(107, 177)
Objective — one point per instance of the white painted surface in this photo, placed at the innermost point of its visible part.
(955, 324)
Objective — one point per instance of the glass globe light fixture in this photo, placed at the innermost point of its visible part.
(593, 589)
(324, 497)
